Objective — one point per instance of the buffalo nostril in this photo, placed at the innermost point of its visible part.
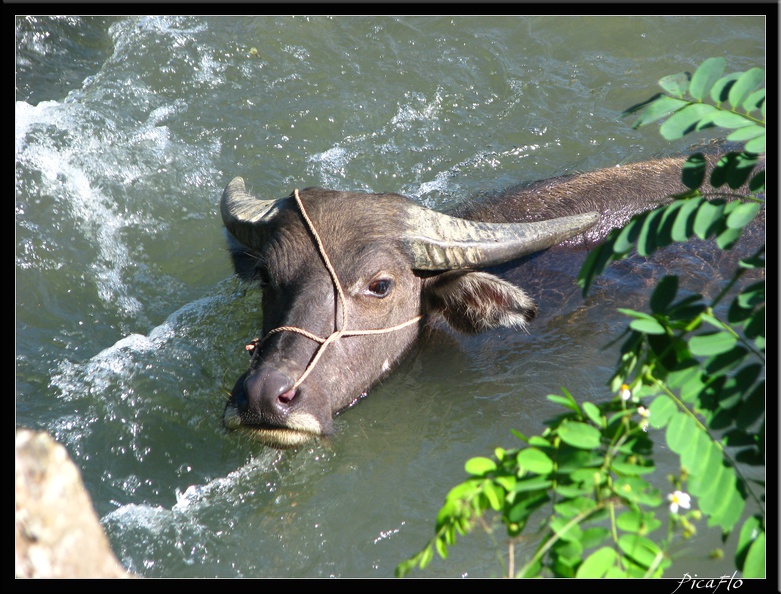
(287, 397)
(269, 392)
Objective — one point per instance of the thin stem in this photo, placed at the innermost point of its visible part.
(540, 553)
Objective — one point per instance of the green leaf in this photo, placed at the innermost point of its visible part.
(743, 215)
(519, 435)
(675, 84)
(572, 460)
(707, 218)
(533, 483)
(723, 502)
(756, 145)
(594, 535)
(683, 227)
(679, 430)
(536, 440)
(628, 235)
(638, 522)
(617, 573)
(630, 521)
(441, 548)
(575, 490)
(531, 570)
(661, 411)
(754, 566)
(720, 91)
(598, 563)
(626, 466)
(535, 460)
(579, 435)
(573, 507)
(749, 532)
(754, 101)
(467, 489)
(479, 466)
(566, 530)
(638, 106)
(567, 401)
(706, 76)
(744, 86)
(752, 295)
(507, 482)
(659, 108)
(713, 321)
(494, 493)
(684, 371)
(712, 343)
(727, 238)
(646, 239)
(642, 550)
(666, 222)
(697, 450)
(746, 133)
(427, 556)
(687, 120)
(637, 490)
(648, 325)
(523, 507)
(594, 414)
(729, 120)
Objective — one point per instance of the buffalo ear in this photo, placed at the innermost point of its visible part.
(472, 302)
(244, 259)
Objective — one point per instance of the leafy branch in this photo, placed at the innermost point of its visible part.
(581, 480)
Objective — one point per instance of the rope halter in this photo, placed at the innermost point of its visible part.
(341, 328)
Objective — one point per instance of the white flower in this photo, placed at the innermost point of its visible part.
(644, 413)
(679, 499)
(626, 393)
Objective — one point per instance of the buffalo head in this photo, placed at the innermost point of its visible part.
(334, 265)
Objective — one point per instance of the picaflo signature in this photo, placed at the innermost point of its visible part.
(712, 584)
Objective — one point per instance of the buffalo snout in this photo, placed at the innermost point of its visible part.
(265, 403)
(269, 395)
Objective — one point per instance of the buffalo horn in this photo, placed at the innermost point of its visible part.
(245, 215)
(438, 241)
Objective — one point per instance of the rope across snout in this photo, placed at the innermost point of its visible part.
(341, 329)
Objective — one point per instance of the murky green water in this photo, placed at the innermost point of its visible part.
(130, 327)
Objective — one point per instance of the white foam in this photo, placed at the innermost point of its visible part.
(88, 155)
(68, 169)
(429, 112)
(330, 165)
(119, 362)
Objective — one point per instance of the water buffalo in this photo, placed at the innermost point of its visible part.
(349, 280)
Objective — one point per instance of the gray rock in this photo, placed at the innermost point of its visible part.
(58, 534)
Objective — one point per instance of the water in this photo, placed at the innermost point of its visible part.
(130, 327)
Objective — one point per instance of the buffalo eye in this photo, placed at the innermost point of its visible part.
(380, 287)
